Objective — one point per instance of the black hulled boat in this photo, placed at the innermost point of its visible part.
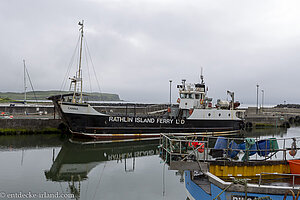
(194, 113)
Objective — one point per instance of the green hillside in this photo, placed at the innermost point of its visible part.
(42, 95)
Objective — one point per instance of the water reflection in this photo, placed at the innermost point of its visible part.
(89, 170)
(29, 142)
(106, 170)
(76, 159)
(260, 132)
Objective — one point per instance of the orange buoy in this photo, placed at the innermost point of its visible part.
(201, 101)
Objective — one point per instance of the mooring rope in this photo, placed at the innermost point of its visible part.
(235, 181)
(286, 193)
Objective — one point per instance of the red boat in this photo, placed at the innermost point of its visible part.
(294, 166)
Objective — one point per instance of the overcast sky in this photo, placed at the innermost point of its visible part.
(137, 46)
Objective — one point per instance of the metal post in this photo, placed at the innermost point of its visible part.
(293, 181)
(257, 86)
(180, 146)
(262, 99)
(170, 92)
(284, 150)
(134, 110)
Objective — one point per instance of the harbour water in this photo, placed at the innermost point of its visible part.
(45, 165)
(48, 164)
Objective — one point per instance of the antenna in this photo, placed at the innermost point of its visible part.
(201, 76)
(183, 83)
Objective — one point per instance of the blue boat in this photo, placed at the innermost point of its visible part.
(208, 187)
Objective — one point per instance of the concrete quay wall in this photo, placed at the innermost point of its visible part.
(284, 117)
(15, 126)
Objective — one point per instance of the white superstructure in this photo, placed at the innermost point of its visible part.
(195, 105)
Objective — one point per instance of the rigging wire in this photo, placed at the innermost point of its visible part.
(99, 181)
(88, 69)
(63, 85)
(75, 86)
(87, 186)
(61, 188)
(30, 83)
(88, 50)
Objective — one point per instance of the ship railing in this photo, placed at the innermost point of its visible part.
(294, 176)
(205, 148)
(131, 109)
(179, 149)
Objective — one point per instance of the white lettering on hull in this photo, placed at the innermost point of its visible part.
(142, 120)
(120, 119)
(178, 121)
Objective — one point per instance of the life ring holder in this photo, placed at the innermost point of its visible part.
(178, 100)
(293, 150)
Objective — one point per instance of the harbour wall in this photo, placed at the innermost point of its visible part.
(27, 126)
(277, 117)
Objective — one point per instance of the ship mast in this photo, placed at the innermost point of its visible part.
(24, 82)
(78, 77)
(79, 70)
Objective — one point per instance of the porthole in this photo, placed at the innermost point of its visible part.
(229, 115)
(219, 114)
(209, 114)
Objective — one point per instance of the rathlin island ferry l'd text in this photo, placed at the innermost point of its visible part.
(193, 113)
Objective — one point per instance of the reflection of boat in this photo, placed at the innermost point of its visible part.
(78, 159)
(195, 113)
